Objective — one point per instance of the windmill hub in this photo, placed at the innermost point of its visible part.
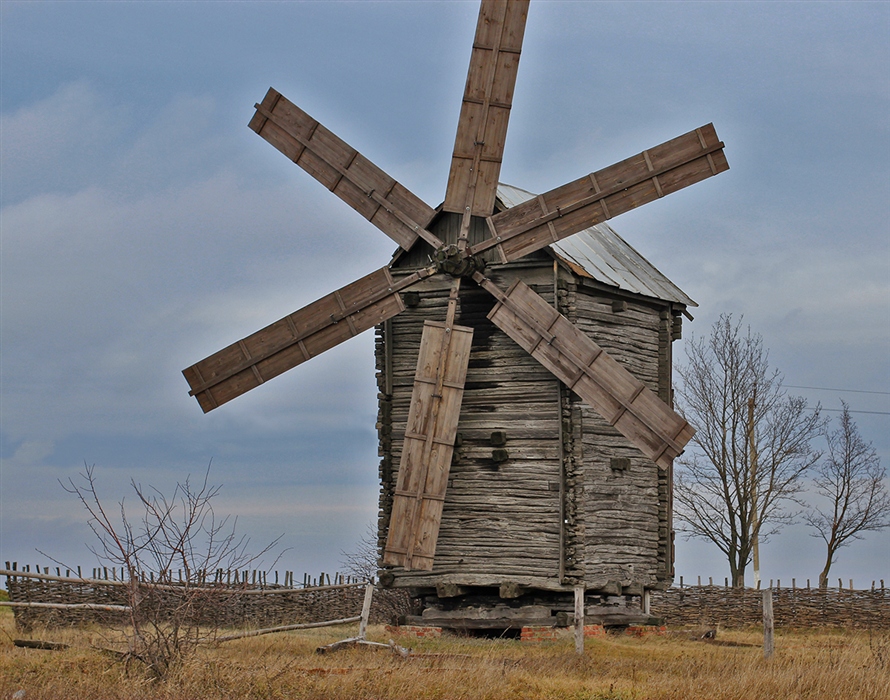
(451, 260)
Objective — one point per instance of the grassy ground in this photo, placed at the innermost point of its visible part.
(836, 664)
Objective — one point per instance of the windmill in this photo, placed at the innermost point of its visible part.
(465, 242)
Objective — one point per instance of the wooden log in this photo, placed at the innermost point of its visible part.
(287, 628)
(37, 644)
(66, 606)
(366, 610)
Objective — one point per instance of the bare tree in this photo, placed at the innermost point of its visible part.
(752, 445)
(390, 604)
(166, 554)
(851, 480)
(362, 562)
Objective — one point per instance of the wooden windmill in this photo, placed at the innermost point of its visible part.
(474, 236)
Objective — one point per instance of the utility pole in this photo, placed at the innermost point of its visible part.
(755, 519)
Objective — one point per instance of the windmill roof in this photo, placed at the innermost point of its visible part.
(601, 254)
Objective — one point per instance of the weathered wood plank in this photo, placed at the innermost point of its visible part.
(428, 445)
(344, 171)
(485, 110)
(292, 340)
(583, 366)
(592, 199)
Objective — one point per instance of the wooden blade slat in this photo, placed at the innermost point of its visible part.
(592, 199)
(485, 111)
(428, 446)
(344, 171)
(292, 340)
(582, 365)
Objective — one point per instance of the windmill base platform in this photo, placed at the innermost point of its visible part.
(484, 612)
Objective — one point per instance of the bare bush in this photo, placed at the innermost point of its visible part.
(165, 553)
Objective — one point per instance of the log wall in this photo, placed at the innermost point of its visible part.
(501, 518)
(627, 503)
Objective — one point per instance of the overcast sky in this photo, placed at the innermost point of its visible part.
(144, 226)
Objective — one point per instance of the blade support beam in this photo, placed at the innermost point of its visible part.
(599, 196)
(582, 365)
(344, 171)
(485, 110)
(298, 337)
(428, 445)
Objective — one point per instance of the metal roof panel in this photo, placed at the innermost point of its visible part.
(605, 256)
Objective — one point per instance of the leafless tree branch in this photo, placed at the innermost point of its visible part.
(850, 480)
(177, 534)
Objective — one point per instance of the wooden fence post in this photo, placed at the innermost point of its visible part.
(579, 619)
(366, 610)
(768, 645)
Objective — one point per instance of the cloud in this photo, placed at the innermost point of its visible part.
(109, 291)
(32, 451)
(144, 226)
(60, 142)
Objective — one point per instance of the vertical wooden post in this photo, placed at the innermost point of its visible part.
(560, 448)
(579, 619)
(752, 462)
(366, 610)
(387, 357)
(768, 645)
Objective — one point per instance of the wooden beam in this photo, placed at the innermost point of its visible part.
(428, 446)
(298, 337)
(585, 368)
(597, 197)
(388, 205)
(485, 111)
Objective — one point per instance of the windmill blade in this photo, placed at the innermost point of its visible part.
(485, 111)
(675, 164)
(297, 337)
(428, 446)
(388, 205)
(585, 368)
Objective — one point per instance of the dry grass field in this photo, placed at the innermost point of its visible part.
(838, 664)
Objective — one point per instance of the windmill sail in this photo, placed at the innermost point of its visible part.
(428, 445)
(585, 368)
(485, 110)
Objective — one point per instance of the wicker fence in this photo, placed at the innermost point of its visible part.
(211, 600)
(711, 605)
(246, 599)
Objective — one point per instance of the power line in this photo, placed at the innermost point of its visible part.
(851, 391)
(840, 410)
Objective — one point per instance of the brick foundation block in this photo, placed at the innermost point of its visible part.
(646, 630)
(416, 631)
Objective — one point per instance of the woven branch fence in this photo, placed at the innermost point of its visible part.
(245, 599)
(711, 605)
(206, 601)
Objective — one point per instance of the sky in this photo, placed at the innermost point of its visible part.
(143, 226)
